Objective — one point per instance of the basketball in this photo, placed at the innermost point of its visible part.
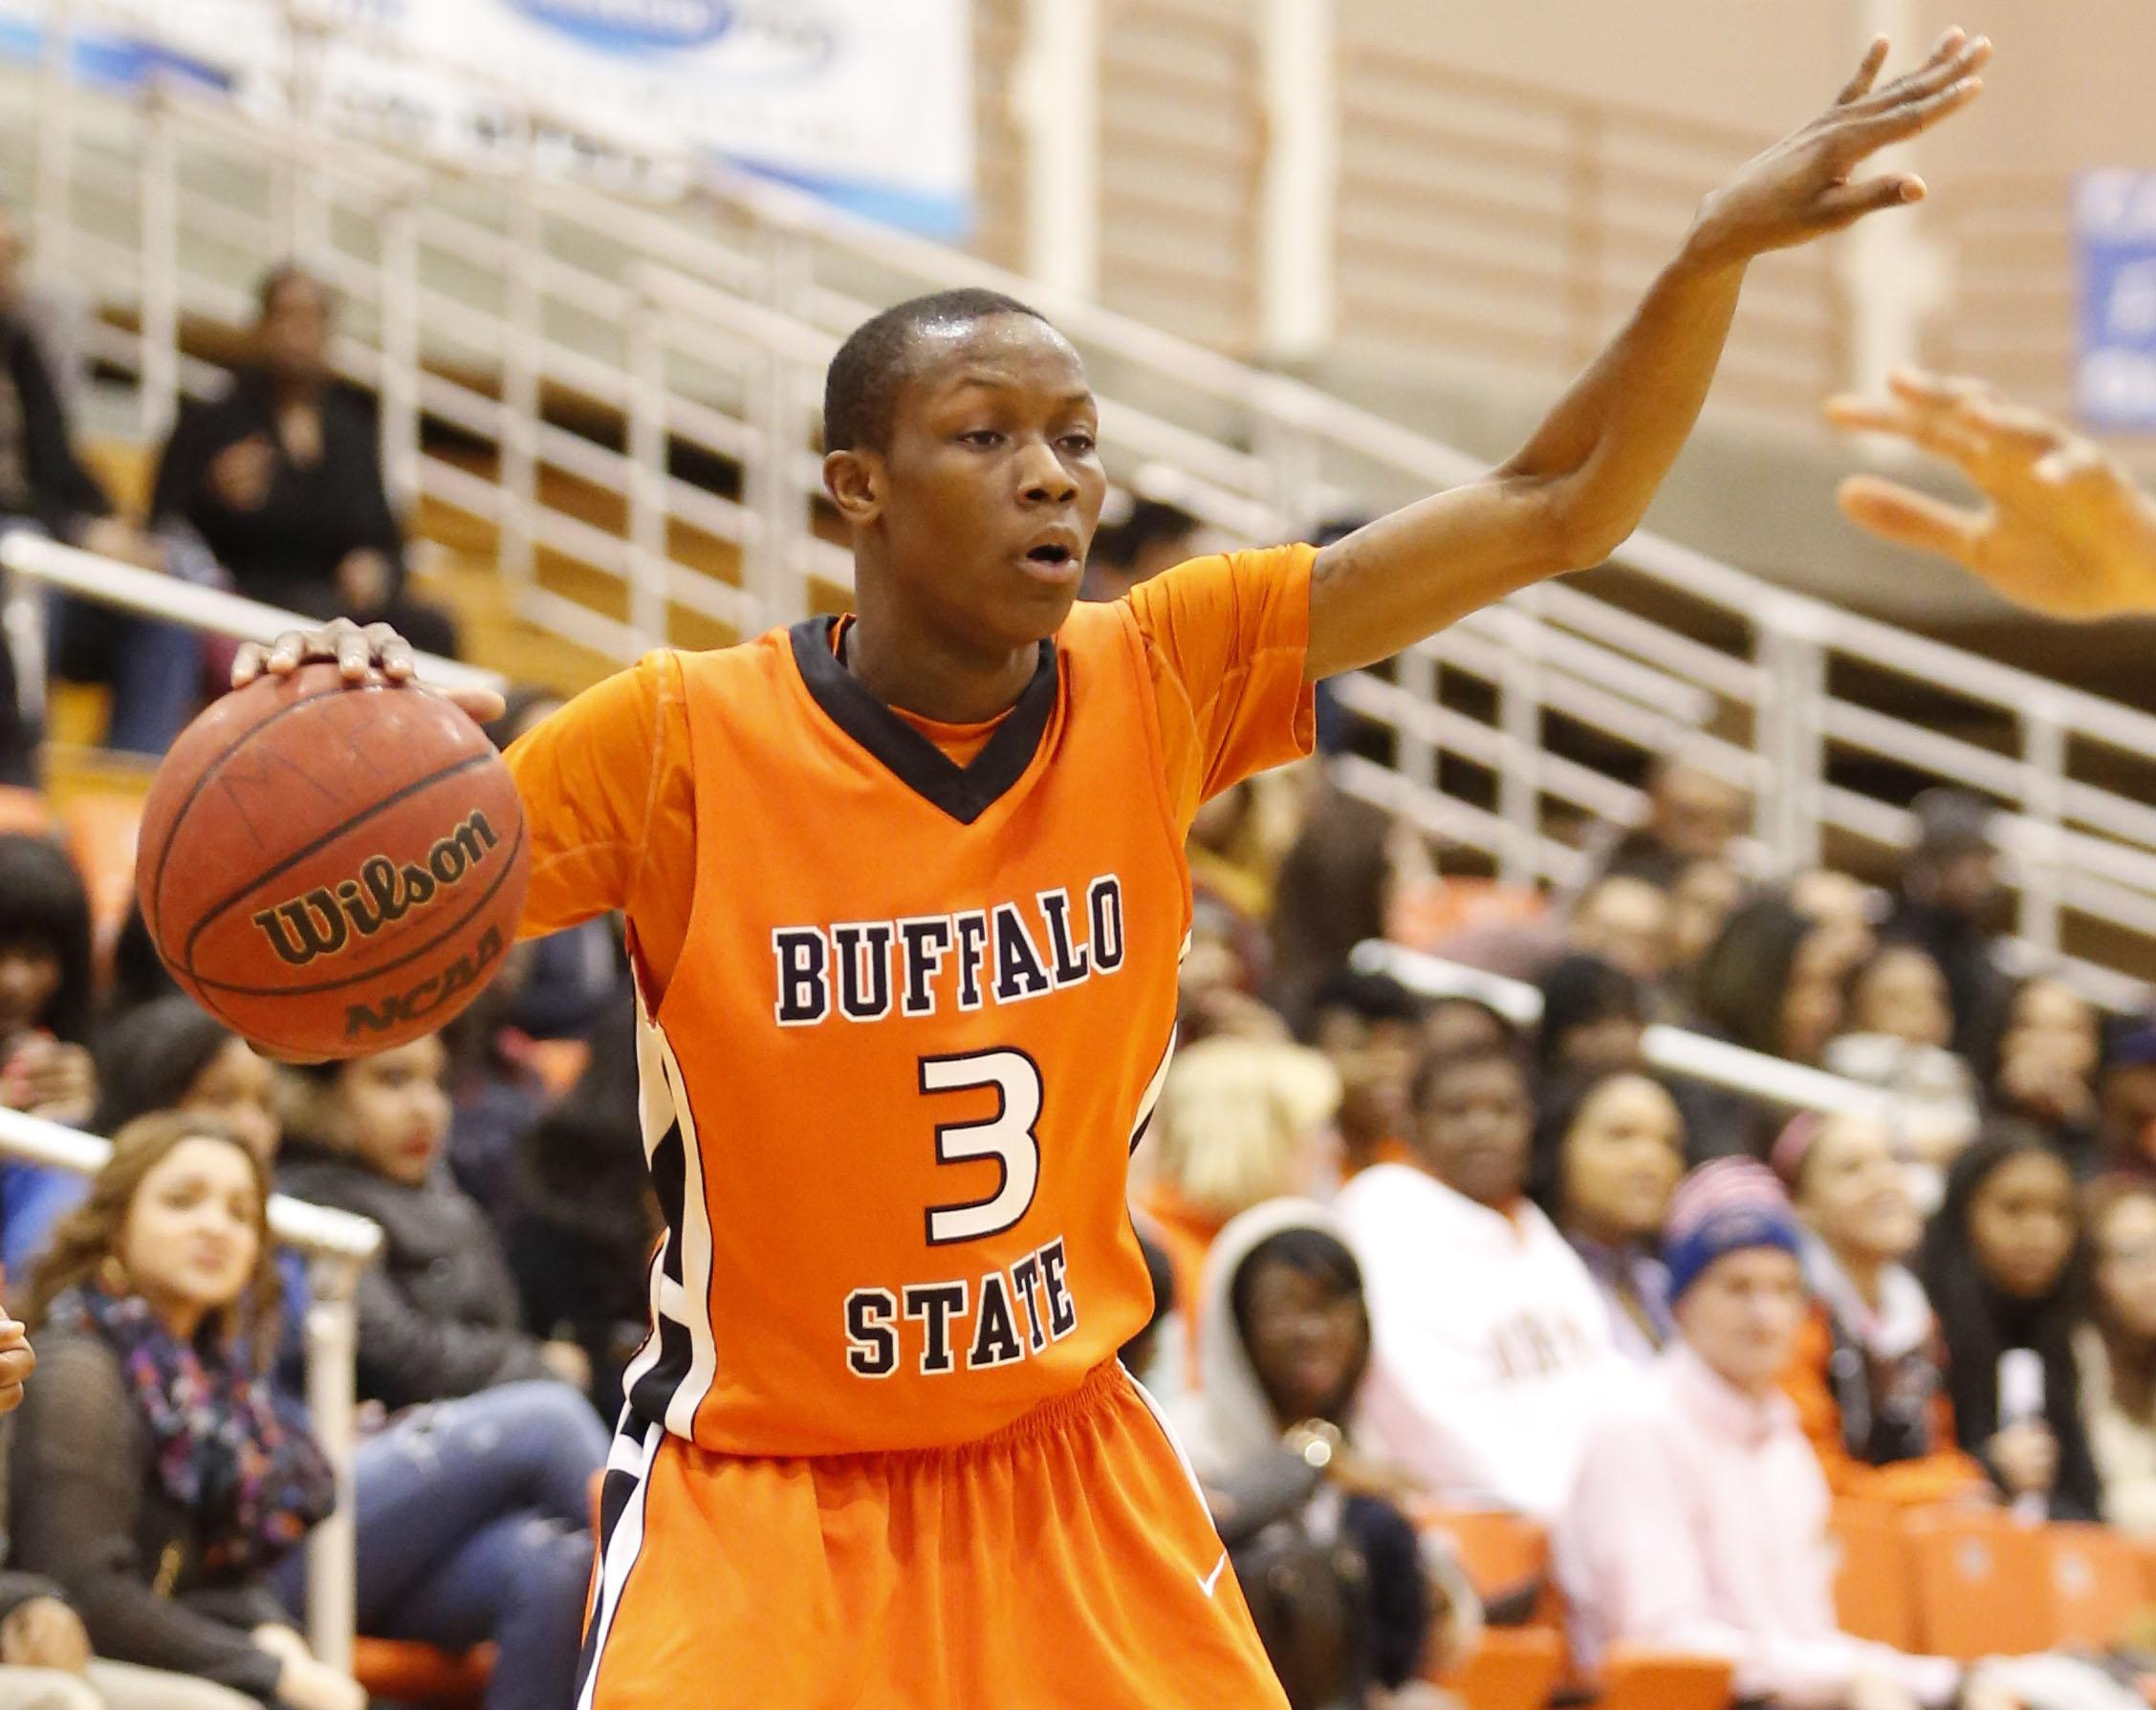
(332, 870)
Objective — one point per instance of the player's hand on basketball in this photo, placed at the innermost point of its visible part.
(1806, 186)
(2064, 528)
(17, 1361)
(376, 653)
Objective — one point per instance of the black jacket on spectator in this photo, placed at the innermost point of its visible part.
(41, 479)
(436, 1308)
(288, 550)
(1979, 1323)
(41, 482)
(90, 1511)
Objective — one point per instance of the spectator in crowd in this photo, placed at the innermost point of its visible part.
(1949, 900)
(2000, 1261)
(1702, 897)
(154, 668)
(1369, 1027)
(171, 1054)
(1492, 1343)
(1694, 814)
(1898, 1025)
(1283, 1345)
(1699, 1520)
(1334, 889)
(1608, 1151)
(152, 1475)
(438, 1308)
(1455, 1026)
(1150, 536)
(2127, 1098)
(1868, 1375)
(2048, 1058)
(2115, 1349)
(1623, 918)
(282, 478)
(45, 997)
(1237, 1124)
(1594, 1014)
(470, 1517)
(1772, 982)
(1842, 905)
(582, 1217)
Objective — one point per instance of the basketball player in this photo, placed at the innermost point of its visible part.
(2063, 529)
(906, 894)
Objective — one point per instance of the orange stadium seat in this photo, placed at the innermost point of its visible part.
(1874, 1595)
(2096, 1583)
(1980, 1583)
(1501, 1552)
(411, 1673)
(1637, 1678)
(1514, 1668)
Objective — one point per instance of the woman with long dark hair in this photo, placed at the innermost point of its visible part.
(2001, 1261)
(1609, 1149)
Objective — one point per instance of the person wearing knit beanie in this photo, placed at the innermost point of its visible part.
(1723, 1207)
(1695, 1518)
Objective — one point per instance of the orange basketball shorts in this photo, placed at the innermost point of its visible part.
(1067, 1560)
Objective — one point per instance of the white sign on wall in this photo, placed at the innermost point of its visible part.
(866, 102)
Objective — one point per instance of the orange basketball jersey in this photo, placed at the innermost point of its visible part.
(915, 1013)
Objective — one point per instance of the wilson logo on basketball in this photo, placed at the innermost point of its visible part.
(321, 921)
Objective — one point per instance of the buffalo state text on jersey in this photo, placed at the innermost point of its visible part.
(927, 965)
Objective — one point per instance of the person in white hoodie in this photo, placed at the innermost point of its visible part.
(1493, 1345)
(1340, 1586)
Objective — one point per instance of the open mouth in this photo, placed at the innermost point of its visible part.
(1052, 556)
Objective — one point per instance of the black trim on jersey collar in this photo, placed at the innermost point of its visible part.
(962, 791)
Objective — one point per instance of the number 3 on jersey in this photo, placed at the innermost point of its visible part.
(1008, 1136)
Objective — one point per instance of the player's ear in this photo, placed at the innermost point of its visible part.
(855, 481)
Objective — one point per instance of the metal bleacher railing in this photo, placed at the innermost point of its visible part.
(337, 1244)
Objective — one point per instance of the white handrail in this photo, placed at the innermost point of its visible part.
(338, 1243)
(1674, 1050)
(152, 595)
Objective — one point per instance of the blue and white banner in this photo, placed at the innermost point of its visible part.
(866, 102)
(2115, 237)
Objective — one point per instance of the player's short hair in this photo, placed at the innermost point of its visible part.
(862, 386)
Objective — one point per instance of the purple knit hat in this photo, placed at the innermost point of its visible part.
(1723, 1207)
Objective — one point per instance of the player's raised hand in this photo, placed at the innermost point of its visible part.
(1805, 186)
(2064, 528)
(359, 654)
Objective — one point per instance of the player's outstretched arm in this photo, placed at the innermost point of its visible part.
(1580, 484)
(2064, 528)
